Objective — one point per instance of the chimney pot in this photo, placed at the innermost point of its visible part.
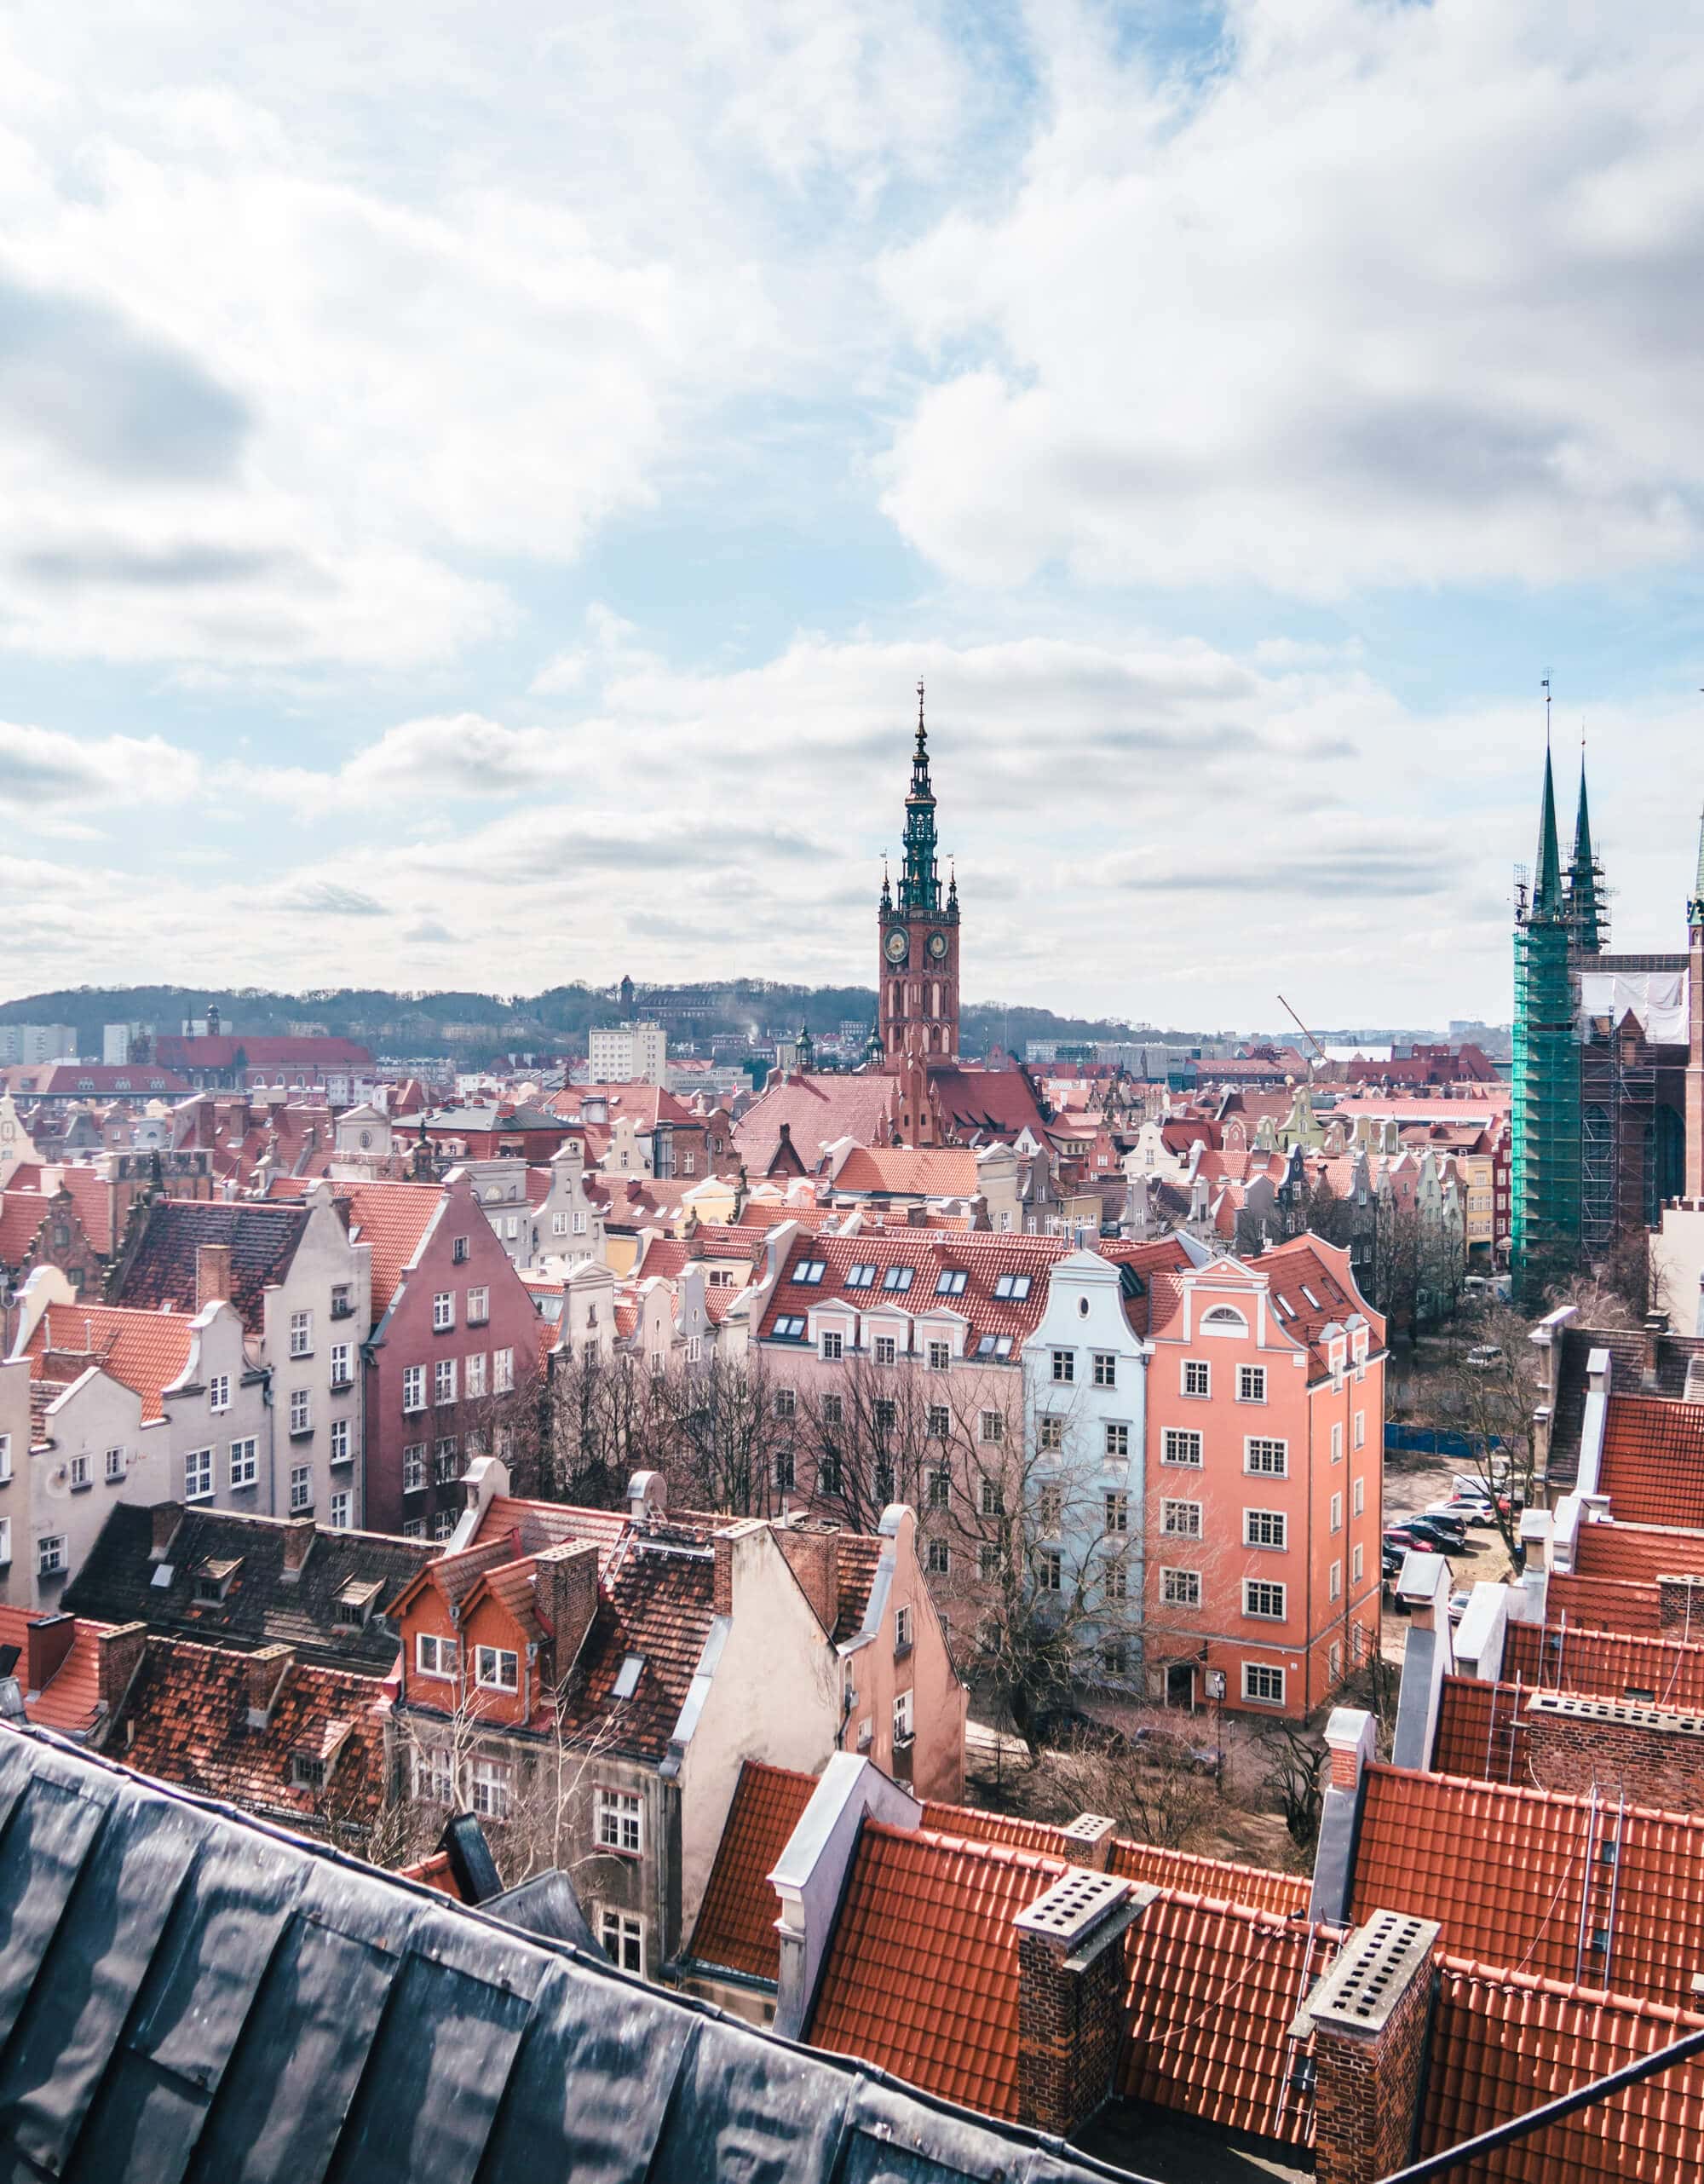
(565, 1593)
(264, 1673)
(1369, 2018)
(1070, 1996)
(212, 1274)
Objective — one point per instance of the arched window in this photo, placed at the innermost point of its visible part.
(1223, 1319)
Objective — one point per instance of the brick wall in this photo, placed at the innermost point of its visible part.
(1068, 2029)
(1366, 2089)
(1663, 1767)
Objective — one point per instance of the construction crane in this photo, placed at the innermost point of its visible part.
(1305, 1033)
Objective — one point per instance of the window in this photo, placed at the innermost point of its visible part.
(580, 1225)
(479, 1441)
(343, 1301)
(434, 1781)
(495, 1670)
(828, 1471)
(833, 1344)
(1357, 1497)
(1198, 1379)
(1065, 1366)
(940, 1558)
(833, 1410)
(885, 1411)
(1050, 1508)
(939, 1487)
(1013, 1286)
(902, 1720)
(1115, 1656)
(503, 1372)
(1262, 1683)
(884, 1479)
(414, 1387)
(784, 1471)
(414, 1528)
(79, 1473)
(1181, 1520)
(1118, 1513)
(443, 1310)
(115, 1462)
(1360, 1429)
(444, 1381)
(940, 1356)
(1356, 1563)
(340, 1441)
(993, 1345)
(1250, 1384)
(993, 1427)
(302, 1334)
(197, 1475)
(1105, 1368)
(885, 1352)
(1050, 1434)
(1264, 1598)
(558, 1227)
(1337, 1580)
(493, 1789)
(897, 1278)
(414, 1467)
(987, 1562)
(991, 1498)
(1181, 1445)
(623, 1937)
(811, 1271)
(1264, 1528)
(1117, 1443)
(951, 1283)
(1180, 1588)
(245, 1466)
(479, 1304)
(860, 1276)
(301, 1488)
(6, 1456)
(940, 1421)
(339, 1511)
(49, 1554)
(1337, 1512)
(443, 1523)
(620, 1821)
(1337, 1441)
(789, 1325)
(1270, 1459)
(1115, 1584)
(219, 1391)
(447, 1462)
(474, 1369)
(786, 1402)
(903, 1630)
(459, 1251)
(343, 1364)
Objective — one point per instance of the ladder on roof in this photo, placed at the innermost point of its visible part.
(1296, 2071)
(1600, 1894)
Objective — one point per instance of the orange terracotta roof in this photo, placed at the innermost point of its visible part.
(1640, 1553)
(904, 1171)
(21, 1215)
(983, 1260)
(530, 1527)
(1604, 1603)
(67, 1701)
(391, 1217)
(145, 1351)
(1478, 1729)
(1503, 2044)
(1607, 1663)
(657, 1607)
(1255, 1887)
(1502, 1868)
(971, 1822)
(434, 1872)
(818, 1110)
(1652, 1467)
(736, 1921)
(1304, 1263)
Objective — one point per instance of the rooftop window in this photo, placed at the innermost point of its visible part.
(789, 1325)
(810, 1270)
(897, 1277)
(1016, 1287)
(951, 1283)
(861, 1276)
(994, 1345)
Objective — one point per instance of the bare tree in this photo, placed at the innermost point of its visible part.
(1156, 1790)
(726, 1432)
(1486, 1388)
(1294, 1757)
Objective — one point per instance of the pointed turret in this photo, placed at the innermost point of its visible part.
(920, 888)
(1586, 906)
(1548, 903)
(1694, 908)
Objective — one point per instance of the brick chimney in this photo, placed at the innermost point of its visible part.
(264, 1673)
(565, 1593)
(1070, 1996)
(813, 1558)
(722, 1591)
(118, 1656)
(1680, 1604)
(165, 1518)
(47, 1642)
(1368, 2020)
(1088, 1842)
(298, 1542)
(212, 1274)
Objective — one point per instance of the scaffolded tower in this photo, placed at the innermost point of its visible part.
(1545, 1144)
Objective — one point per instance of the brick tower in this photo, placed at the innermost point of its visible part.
(917, 935)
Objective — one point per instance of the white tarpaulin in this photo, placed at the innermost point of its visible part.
(1657, 997)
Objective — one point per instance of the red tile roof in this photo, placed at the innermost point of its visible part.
(1502, 1868)
(1503, 2044)
(392, 1216)
(1604, 1603)
(1608, 1664)
(904, 1171)
(1478, 1729)
(1255, 1886)
(984, 1260)
(656, 1606)
(21, 1215)
(66, 1702)
(96, 1203)
(987, 1103)
(970, 1821)
(145, 1351)
(1652, 1467)
(817, 1111)
(1305, 1262)
(736, 1921)
(1640, 1553)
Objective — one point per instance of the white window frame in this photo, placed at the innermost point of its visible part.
(1274, 1458)
(1266, 1528)
(117, 1461)
(197, 1475)
(1357, 1562)
(1116, 1441)
(437, 1657)
(1250, 1384)
(413, 1388)
(1357, 1499)
(478, 1305)
(616, 1929)
(302, 1334)
(621, 1822)
(434, 1776)
(1336, 1523)
(342, 1368)
(1255, 1672)
(488, 1668)
(1181, 1445)
(493, 1789)
(443, 1310)
(343, 1507)
(904, 1717)
(301, 1488)
(473, 1375)
(414, 1467)
(1174, 1525)
(1179, 1588)
(1260, 1588)
(340, 1450)
(503, 1372)
(1064, 1368)
(444, 1379)
(50, 1555)
(219, 1391)
(1198, 1370)
(1335, 1589)
(834, 1345)
(243, 1458)
(301, 1411)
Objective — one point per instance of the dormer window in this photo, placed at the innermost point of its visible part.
(213, 1579)
(307, 1771)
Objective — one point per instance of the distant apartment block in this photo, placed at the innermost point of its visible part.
(37, 1042)
(627, 1053)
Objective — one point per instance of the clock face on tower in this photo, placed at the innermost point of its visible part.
(937, 945)
(898, 944)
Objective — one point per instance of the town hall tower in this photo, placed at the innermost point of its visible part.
(917, 935)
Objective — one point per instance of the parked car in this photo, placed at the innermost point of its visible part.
(1401, 1536)
(1458, 1605)
(1483, 1357)
(1449, 1531)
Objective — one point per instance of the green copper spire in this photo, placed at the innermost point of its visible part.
(1584, 897)
(1546, 901)
(920, 888)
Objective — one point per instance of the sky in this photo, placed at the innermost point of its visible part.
(479, 485)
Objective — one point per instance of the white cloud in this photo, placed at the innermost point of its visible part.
(1395, 294)
(41, 768)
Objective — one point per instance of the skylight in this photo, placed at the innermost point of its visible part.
(860, 1277)
(810, 1270)
(627, 1678)
(1013, 1286)
(951, 1283)
(897, 1277)
(1311, 1298)
(789, 1325)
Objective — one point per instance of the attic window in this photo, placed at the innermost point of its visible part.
(163, 1574)
(952, 1282)
(994, 1345)
(897, 1277)
(1286, 1309)
(1012, 1286)
(307, 1771)
(1311, 1298)
(861, 1276)
(791, 1326)
(810, 1270)
(356, 1605)
(213, 1579)
(628, 1675)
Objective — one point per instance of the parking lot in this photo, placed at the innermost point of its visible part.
(1411, 1481)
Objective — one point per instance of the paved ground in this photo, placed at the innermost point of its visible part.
(1411, 1481)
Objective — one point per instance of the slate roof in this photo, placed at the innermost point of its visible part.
(277, 2014)
(147, 1352)
(1502, 1868)
(186, 1720)
(262, 1239)
(1652, 1467)
(115, 1583)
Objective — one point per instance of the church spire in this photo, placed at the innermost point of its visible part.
(920, 888)
(1585, 893)
(1546, 903)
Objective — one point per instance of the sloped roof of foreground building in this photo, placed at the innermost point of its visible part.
(187, 1992)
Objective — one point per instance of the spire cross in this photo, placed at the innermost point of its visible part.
(919, 708)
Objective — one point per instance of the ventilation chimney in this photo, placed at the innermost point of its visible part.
(1368, 2019)
(48, 1641)
(1088, 1842)
(118, 1656)
(212, 1274)
(165, 1518)
(565, 1593)
(813, 1558)
(1070, 1996)
(298, 1544)
(647, 1497)
(264, 1673)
